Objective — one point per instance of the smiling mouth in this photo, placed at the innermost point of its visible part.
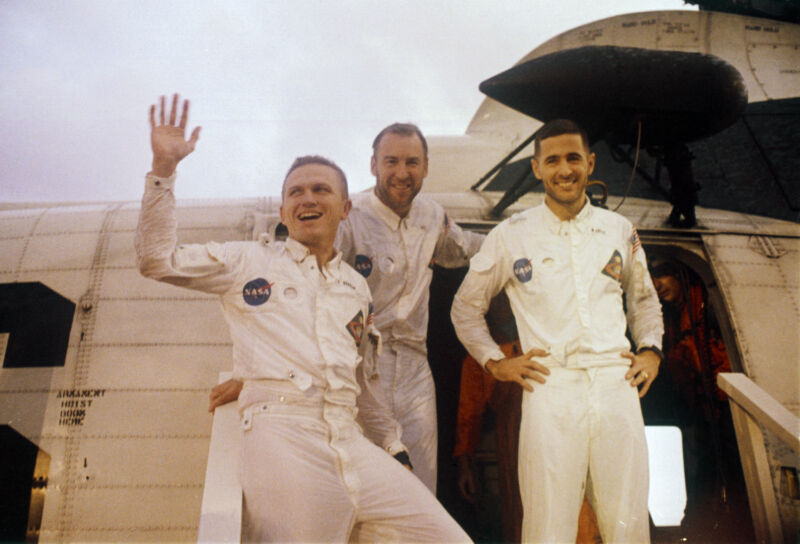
(309, 216)
(566, 182)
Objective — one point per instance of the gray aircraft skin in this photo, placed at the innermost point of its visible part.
(106, 374)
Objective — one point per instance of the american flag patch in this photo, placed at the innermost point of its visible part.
(635, 242)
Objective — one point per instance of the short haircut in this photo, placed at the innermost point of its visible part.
(557, 127)
(315, 159)
(402, 129)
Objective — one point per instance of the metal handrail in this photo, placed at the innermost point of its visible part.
(752, 408)
(762, 407)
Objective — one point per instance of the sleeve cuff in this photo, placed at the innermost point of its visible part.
(496, 354)
(395, 447)
(649, 342)
(156, 182)
(654, 349)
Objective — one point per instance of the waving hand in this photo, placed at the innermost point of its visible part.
(168, 139)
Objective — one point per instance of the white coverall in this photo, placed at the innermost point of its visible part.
(308, 472)
(396, 256)
(565, 281)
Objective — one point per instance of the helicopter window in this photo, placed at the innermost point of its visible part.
(35, 324)
(510, 173)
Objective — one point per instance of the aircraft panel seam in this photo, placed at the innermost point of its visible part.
(792, 295)
(162, 436)
(84, 486)
(59, 269)
(763, 285)
(86, 319)
(161, 344)
(64, 232)
(126, 528)
(208, 298)
(743, 263)
(750, 46)
(113, 390)
(24, 391)
(27, 243)
(74, 268)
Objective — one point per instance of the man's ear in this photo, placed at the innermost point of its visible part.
(373, 166)
(535, 168)
(590, 160)
(348, 205)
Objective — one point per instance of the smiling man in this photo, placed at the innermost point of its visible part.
(565, 266)
(300, 319)
(393, 237)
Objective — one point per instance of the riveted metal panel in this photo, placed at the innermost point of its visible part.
(763, 298)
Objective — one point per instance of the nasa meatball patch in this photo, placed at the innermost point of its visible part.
(356, 327)
(613, 269)
(256, 292)
(523, 270)
(363, 265)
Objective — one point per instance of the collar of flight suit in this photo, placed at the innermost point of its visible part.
(387, 215)
(299, 253)
(580, 221)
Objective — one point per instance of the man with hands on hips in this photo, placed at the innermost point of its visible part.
(565, 266)
(300, 320)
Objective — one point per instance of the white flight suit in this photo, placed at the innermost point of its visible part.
(565, 281)
(396, 256)
(308, 472)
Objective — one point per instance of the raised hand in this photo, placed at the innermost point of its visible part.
(168, 140)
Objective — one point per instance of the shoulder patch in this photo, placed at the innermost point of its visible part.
(356, 327)
(613, 268)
